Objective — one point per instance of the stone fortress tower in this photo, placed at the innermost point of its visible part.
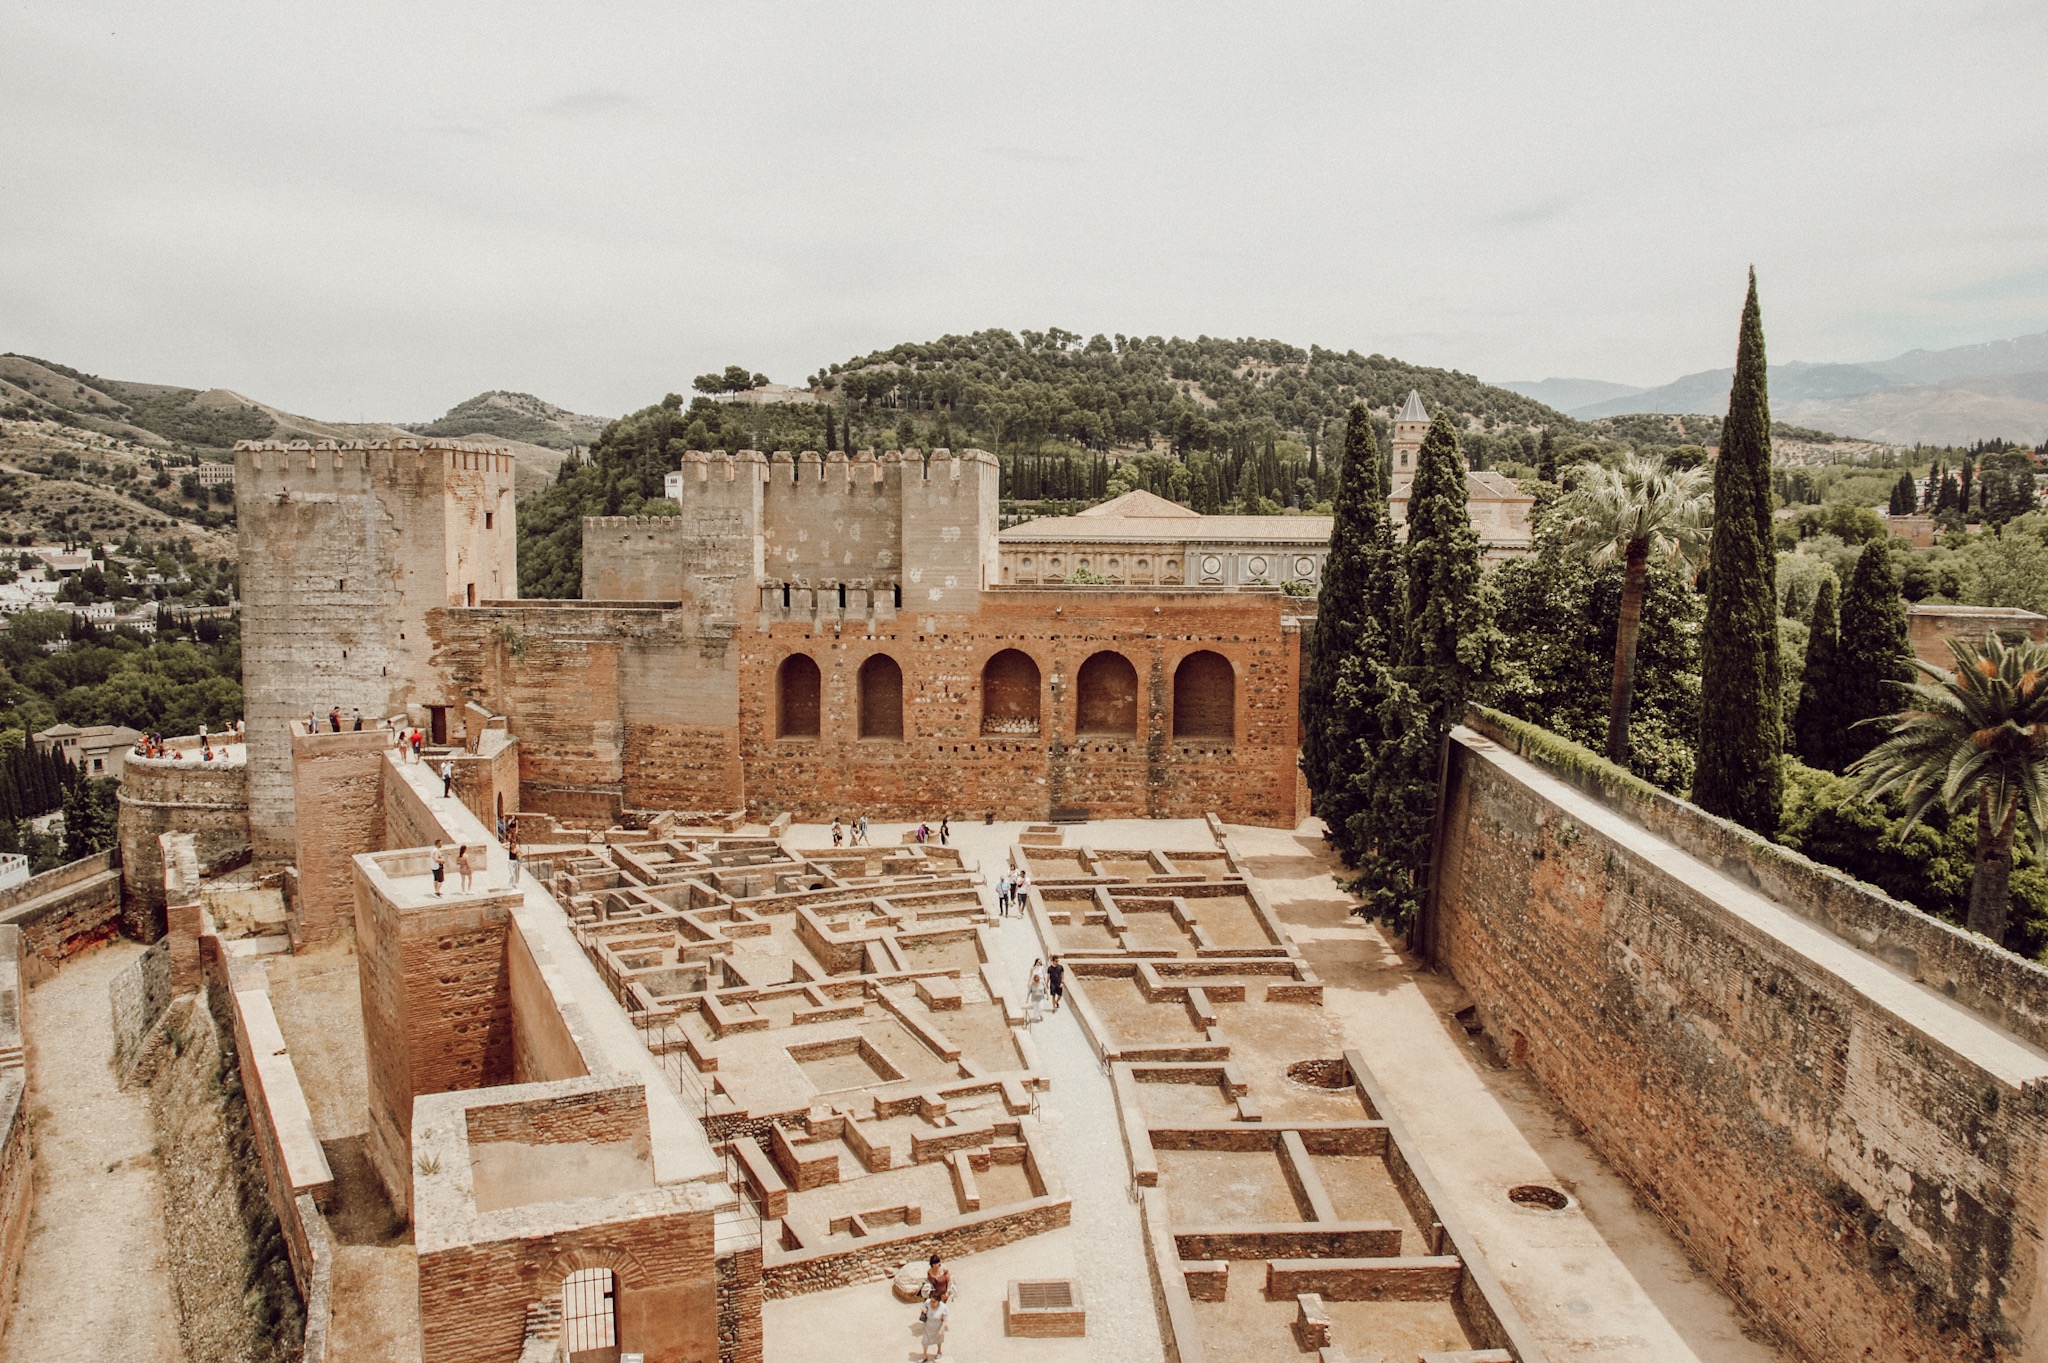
(1409, 428)
(344, 549)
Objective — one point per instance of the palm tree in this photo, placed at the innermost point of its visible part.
(1977, 735)
(1639, 511)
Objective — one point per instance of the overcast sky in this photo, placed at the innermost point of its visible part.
(371, 210)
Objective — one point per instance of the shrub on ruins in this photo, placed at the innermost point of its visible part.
(1349, 684)
(1741, 720)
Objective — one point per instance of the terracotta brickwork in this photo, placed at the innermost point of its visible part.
(1861, 1168)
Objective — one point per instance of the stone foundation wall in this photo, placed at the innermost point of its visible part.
(65, 910)
(1844, 1163)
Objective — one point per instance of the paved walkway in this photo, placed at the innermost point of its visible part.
(95, 1278)
(1105, 1246)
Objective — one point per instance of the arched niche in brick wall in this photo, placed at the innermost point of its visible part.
(1009, 694)
(797, 691)
(881, 698)
(1205, 698)
(1106, 697)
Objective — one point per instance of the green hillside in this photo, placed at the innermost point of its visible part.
(1224, 425)
(515, 416)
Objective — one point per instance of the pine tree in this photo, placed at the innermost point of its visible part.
(1742, 731)
(1817, 722)
(1349, 676)
(1871, 658)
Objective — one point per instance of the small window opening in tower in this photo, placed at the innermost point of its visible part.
(487, 520)
(469, 594)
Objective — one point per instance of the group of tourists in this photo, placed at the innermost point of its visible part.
(152, 744)
(335, 720)
(1010, 893)
(464, 868)
(856, 832)
(934, 1316)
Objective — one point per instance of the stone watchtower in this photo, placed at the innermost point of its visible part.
(345, 550)
(1409, 428)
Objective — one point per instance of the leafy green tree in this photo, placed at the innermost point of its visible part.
(1631, 514)
(1741, 723)
(1871, 658)
(1817, 722)
(1977, 738)
(1359, 620)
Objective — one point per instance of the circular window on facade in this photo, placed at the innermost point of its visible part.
(1304, 567)
(1212, 564)
(1257, 566)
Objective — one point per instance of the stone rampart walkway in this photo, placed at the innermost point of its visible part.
(95, 1279)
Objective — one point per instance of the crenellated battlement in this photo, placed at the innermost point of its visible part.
(633, 523)
(290, 459)
(834, 468)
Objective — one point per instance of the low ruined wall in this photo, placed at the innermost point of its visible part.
(787, 1274)
(1860, 1170)
(67, 909)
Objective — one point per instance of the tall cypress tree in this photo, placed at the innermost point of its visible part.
(1358, 618)
(1817, 722)
(1435, 677)
(829, 446)
(1871, 657)
(1742, 730)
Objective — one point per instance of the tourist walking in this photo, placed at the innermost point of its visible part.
(440, 867)
(417, 739)
(462, 866)
(838, 834)
(447, 778)
(512, 859)
(1003, 896)
(1034, 993)
(334, 719)
(359, 722)
(933, 1331)
(945, 831)
(860, 830)
(938, 1281)
(1056, 982)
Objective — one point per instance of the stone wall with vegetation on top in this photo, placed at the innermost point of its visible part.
(1857, 1163)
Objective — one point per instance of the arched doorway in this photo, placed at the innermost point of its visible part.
(881, 698)
(797, 691)
(590, 1316)
(1009, 695)
(1106, 697)
(1205, 698)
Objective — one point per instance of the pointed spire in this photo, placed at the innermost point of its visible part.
(1413, 410)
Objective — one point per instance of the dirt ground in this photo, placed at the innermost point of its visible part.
(95, 1279)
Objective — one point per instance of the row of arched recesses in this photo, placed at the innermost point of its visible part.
(1105, 697)
(799, 692)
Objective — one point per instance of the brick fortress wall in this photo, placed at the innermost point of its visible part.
(209, 800)
(1865, 1186)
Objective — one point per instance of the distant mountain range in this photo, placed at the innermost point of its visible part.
(209, 421)
(1928, 397)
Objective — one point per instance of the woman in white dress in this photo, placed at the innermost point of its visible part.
(1035, 993)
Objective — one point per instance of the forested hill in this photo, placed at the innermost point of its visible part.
(1107, 392)
(1220, 424)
